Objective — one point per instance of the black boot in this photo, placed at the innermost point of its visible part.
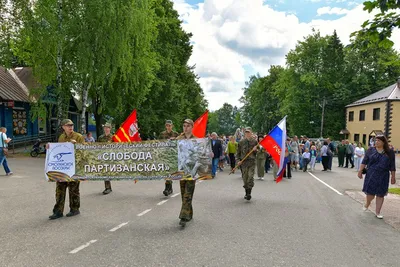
(73, 213)
(245, 196)
(248, 194)
(168, 190)
(56, 215)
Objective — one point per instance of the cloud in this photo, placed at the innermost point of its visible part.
(229, 35)
(331, 11)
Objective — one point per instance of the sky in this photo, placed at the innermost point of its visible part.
(234, 39)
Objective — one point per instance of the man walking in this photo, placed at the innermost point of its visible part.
(217, 150)
(246, 146)
(61, 187)
(187, 186)
(106, 138)
(341, 150)
(165, 135)
(349, 154)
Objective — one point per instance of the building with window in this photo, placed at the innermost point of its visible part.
(376, 114)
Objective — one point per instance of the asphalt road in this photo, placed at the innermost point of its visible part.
(298, 222)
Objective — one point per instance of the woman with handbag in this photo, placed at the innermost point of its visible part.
(4, 150)
(380, 161)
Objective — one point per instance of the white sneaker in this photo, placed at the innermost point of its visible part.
(379, 216)
(365, 208)
(262, 178)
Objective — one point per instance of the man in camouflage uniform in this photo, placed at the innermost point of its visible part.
(61, 187)
(246, 145)
(187, 186)
(106, 138)
(168, 134)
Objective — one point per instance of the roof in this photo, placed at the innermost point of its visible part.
(376, 133)
(391, 92)
(25, 75)
(9, 87)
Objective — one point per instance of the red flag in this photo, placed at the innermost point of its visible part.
(129, 130)
(200, 126)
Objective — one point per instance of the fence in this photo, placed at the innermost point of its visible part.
(28, 141)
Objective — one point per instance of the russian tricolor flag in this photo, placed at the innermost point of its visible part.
(275, 144)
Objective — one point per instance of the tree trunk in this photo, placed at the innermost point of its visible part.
(84, 104)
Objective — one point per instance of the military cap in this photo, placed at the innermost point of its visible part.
(168, 122)
(247, 129)
(188, 121)
(66, 122)
(107, 124)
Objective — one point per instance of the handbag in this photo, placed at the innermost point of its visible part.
(5, 149)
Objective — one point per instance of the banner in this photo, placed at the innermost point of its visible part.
(146, 160)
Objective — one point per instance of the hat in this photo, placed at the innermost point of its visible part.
(66, 122)
(107, 124)
(247, 129)
(189, 121)
(168, 122)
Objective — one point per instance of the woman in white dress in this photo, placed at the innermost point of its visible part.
(359, 153)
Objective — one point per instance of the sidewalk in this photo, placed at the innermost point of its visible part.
(390, 208)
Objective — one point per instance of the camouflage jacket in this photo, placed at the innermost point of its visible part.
(183, 136)
(74, 136)
(167, 135)
(244, 147)
(105, 138)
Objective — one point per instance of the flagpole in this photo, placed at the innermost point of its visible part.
(240, 162)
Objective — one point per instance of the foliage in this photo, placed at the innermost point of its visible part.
(320, 72)
(380, 28)
(225, 120)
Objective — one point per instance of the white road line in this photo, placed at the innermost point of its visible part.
(82, 247)
(143, 213)
(119, 226)
(177, 194)
(325, 183)
(161, 202)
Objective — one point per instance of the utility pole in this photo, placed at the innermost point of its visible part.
(323, 114)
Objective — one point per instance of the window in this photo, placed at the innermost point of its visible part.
(356, 138)
(377, 114)
(362, 115)
(364, 139)
(351, 116)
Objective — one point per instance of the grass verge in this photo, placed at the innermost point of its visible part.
(394, 191)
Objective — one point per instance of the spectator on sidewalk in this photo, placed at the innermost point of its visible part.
(89, 138)
(349, 154)
(341, 151)
(306, 159)
(331, 149)
(232, 149)
(359, 155)
(379, 163)
(3, 150)
(314, 155)
(325, 157)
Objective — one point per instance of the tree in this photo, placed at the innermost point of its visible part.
(380, 28)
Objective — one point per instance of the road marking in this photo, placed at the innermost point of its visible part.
(325, 183)
(82, 247)
(119, 226)
(161, 202)
(143, 213)
(177, 194)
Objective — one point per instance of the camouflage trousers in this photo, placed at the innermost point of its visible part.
(187, 191)
(107, 184)
(168, 181)
(248, 176)
(74, 197)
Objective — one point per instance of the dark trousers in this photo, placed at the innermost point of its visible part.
(349, 157)
(267, 165)
(330, 162)
(305, 164)
(74, 197)
(232, 160)
(187, 191)
(341, 159)
(288, 171)
(325, 162)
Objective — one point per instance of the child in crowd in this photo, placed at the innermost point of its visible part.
(313, 154)
(306, 159)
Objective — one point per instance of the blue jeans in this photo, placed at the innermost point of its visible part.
(214, 166)
(3, 160)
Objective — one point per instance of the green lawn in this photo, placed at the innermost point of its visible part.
(394, 191)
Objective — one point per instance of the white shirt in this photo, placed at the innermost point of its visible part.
(3, 140)
(359, 151)
(306, 155)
